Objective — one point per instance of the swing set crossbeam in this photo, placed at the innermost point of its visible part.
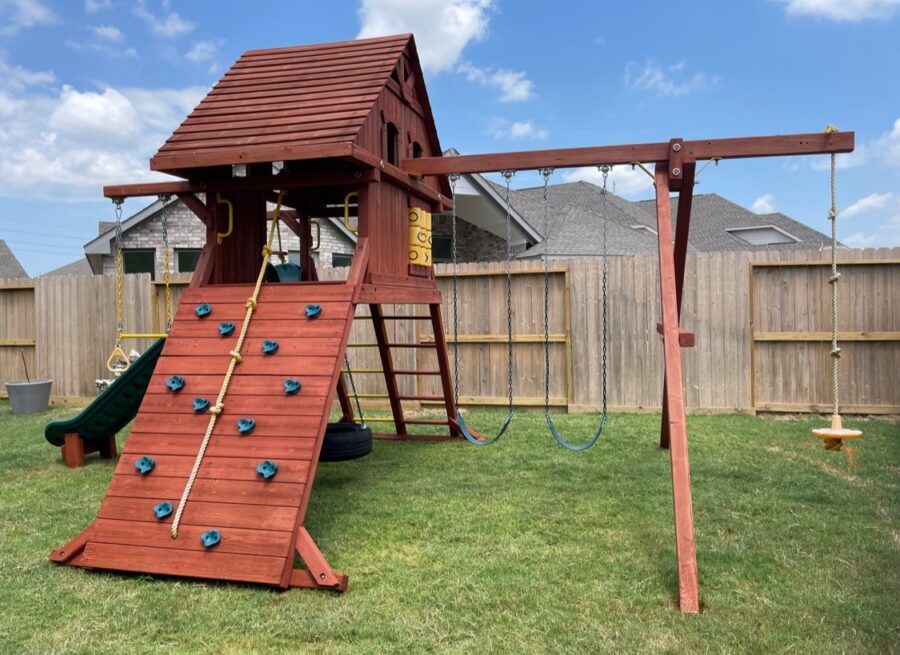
(818, 143)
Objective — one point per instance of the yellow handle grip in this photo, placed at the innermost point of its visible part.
(224, 235)
(352, 194)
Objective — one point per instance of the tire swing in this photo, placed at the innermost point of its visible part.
(471, 435)
(562, 441)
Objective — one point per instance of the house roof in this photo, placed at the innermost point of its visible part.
(303, 102)
(78, 267)
(9, 265)
(104, 242)
(712, 216)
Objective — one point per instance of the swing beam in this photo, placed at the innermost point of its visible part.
(675, 167)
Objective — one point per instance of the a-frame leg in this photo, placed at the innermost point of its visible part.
(317, 574)
(443, 360)
(344, 400)
(685, 548)
(682, 229)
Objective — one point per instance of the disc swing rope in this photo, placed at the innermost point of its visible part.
(475, 438)
(833, 437)
(118, 361)
(562, 441)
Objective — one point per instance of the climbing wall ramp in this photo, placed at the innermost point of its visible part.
(258, 520)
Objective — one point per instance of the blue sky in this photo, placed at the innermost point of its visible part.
(90, 88)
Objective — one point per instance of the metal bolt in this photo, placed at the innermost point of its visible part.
(676, 147)
(676, 172)
(321, 576)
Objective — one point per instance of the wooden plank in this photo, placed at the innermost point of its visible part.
(826, 336)
(825, 408)
(265, 519)
(208, 386)
(257, 492)
(215, 468)
(195, 425)
(188, 564)
(211, 346)
(17, 343)
(223, 444)
(280, 366)
(260, 328)
(279, 404)
(238, 541)
(761, 146)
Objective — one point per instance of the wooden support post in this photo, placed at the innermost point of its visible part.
(318, 573)
(685, 548)
(682, 230)
(73, 450)
(440, 343)
(107, 448)
(387, 365)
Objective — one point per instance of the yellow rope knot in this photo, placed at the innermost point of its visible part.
(266, 252)
(830, 129)
(236, 356)
(251, 303)
(216, 409)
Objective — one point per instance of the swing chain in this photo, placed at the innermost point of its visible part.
(166, 275)
(604, 170)
(120, 319)
(454, 178)
(362, 418)
(546, 173)
(508, 175)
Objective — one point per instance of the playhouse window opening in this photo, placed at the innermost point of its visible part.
(392, 138)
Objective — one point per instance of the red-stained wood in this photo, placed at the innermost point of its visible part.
(273, 404)
(318, 568)
(682, 230)
(685, 548)
(226, 443)
(238, 492)
(72, 548)
(268, 518)
(285, 293)
(219, 346)
(208, 386)
(387, 365)
(443, 360)
(185, 563)
(73, 450)
(266, 426)
(215, 468)
(211, 365)
(817, 143)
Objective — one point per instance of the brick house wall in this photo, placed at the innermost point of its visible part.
(473, 243)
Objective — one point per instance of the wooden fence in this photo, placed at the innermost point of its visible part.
(761, 320)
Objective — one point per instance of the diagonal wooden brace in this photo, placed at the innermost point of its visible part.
(317, 574)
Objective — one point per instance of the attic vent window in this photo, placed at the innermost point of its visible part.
(416, 150)
(762, 235)
(392, 144)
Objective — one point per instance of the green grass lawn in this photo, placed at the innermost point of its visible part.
(520, 547)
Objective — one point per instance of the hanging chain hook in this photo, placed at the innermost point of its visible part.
(454, 178)
(164, 199)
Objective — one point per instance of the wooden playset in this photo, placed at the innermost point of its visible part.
(215, 479)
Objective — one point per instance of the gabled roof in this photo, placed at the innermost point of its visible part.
(712, 216)
(78, 267)
(282, 104)
(104, 243)
(9, 265)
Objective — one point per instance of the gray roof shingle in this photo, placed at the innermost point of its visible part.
(9, 265)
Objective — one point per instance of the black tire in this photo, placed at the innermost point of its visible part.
(345, 441)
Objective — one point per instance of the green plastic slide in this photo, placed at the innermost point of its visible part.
(114, 408)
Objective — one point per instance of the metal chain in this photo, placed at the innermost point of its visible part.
(453, 180)
(362, 418)
(835, 276)
(166, 275)
(546, 173)
(508, 175)
(605, 169)
(120, 272)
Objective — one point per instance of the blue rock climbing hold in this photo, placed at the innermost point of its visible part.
(291, 386)
(269, 347)
(226, 329)
(200, 404)
(267, 468)
(246, 425)
(210, 538)
(313, 311)
(203, 310)
(163, 509)
(175, 383)
(144, 465)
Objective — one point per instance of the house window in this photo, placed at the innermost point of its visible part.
(294, 257)
(139, 261)
(187, 259)
(392, 135)
(340, 260)
(762, 235)
(441, 249)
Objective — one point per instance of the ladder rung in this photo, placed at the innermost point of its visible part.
(379, 419)
(397, 317)
(361, 370)
(428, 398)
(414, 372)
(362, 345)
(422, 421)
(411, 345)
(367, 395)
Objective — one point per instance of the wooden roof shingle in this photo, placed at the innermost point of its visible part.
(281, 104)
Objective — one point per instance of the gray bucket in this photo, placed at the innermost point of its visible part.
(29, 397)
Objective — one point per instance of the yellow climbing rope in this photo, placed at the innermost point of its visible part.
(216, 409)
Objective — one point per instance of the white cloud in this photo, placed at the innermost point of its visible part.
(443, 28)
(201, 51)
(888, 146)
(25, 13)
(883, 236)
(170, 25)
(514, 86)
(70, 142)
(504, 129)
(765, 204)
(665, 81)
(842, 10)
(884, 149)
(108, 33)
(623, 180)
(93, 6)
(867, 205)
